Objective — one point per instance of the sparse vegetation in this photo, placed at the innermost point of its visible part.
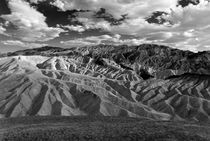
(98, 129)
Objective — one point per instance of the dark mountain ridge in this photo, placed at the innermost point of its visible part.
(145, 56)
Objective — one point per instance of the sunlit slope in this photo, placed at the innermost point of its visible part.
(28, 90)
(37, 85)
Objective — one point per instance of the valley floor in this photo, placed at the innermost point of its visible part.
(60, 128)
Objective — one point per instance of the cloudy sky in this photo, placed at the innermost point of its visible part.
(183, 24)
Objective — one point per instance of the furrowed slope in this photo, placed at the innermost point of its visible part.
(27, 90)
(156, 60)
(185, 97)
(153, 58)
(79, 85)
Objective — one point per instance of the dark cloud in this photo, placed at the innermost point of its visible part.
(157, 18)
(55, 16)
(185, 3)
(4, 7)
(102, 13)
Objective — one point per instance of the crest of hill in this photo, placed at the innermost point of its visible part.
(150, 57)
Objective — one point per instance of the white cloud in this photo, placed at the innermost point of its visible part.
(59, 4)
(103, 39)
(22, 44)
(78, 43)
(88, 23)
(2, 30)
(30, 23)
(135, 8)
(77, 28)
(135, 25)
(36, 1)
(191, 29)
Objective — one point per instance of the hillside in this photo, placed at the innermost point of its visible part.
(150, 81)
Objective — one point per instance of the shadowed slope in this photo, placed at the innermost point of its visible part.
(155, 82)
(36, 85)
(159, 61)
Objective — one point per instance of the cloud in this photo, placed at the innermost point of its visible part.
(188, 28)
(59, 4)
(63, 5)
(36, 1)
(103, 39)
(22, 44)
(77, 28)
(134, 8)
(135, 23)
(88, 24)
(185, 3)
(192, 26)
(2, 30)
(184, 27)
(136, 11)
(30, 23)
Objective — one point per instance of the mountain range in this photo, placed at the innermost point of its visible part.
(149, 81)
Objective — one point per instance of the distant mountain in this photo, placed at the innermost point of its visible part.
(154, 59)
(151, 81)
